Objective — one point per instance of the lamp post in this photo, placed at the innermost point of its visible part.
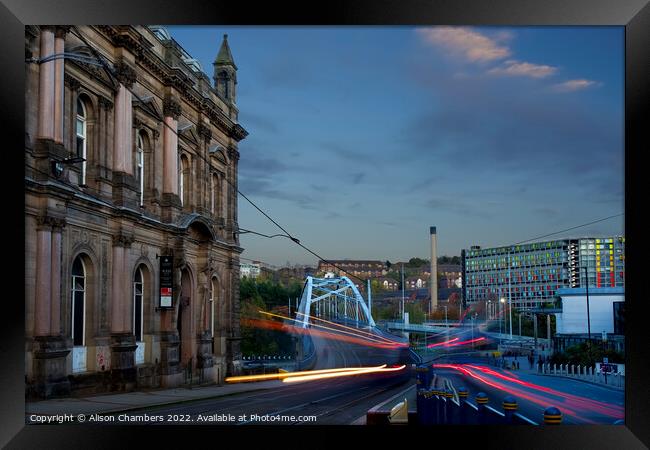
(502, 305)
(509, 296)
(402, 310)
(487, 309)
(588, 316)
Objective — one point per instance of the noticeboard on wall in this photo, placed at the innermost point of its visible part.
(166, 282)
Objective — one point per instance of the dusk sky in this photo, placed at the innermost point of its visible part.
(361, 138)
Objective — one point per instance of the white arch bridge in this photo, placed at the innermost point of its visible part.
(335, 299)
(339, 330)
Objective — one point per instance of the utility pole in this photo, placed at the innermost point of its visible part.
(588, 316)
(402, 291)
(509, 296)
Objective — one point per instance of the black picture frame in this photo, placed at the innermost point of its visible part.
(634, 15)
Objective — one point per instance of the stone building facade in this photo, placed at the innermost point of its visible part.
(131, 154)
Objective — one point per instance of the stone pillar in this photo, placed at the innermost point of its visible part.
(127, 294)
(171, 113)
(117, 291)
(123, 370)
(122, 145)
(122, 133)
(42, 310)
(49, 350)
(46, 85)
(59, 43)
(55, 303)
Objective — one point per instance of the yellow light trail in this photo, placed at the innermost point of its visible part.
(379, 369)
(282, 375)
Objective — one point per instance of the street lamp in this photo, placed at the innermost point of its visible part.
(509, 296)
(487, 309)
(502, 301)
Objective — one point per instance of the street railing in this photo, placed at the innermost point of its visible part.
(616, 380)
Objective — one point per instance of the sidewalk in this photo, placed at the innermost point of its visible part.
(524, 367)
(114, 403)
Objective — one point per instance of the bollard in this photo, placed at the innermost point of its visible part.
(481, 403)
(509, 405)
(552, 416)
(462, 398)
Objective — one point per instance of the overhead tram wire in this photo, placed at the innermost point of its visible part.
(109, 72)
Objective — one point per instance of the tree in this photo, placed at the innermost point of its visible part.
(416, 315)
(416, 262)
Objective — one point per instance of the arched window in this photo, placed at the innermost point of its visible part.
(78, 302)
(81, 131)
(139, 165)
(138, 305)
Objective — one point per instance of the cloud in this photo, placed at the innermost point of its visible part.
(460, 208)
(256, 122)
(256, 187)
(523, 69)
(358, 177)
(462, 41)
(574, 85)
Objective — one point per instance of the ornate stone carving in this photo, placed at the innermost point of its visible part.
(233, 153)
(48, 221)
(137, 123)
(125, 74)
(71, 82)
(238, 132)
(105, 103)
(156, 134)
(122, 240)
(171, 108)
(204, 131)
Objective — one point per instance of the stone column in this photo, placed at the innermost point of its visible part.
(123, 370)
(127, 294)
(49, 350)
(55, 304)
(59, 43)
(122, 145)
(171, 113)
(42, 310)
(117, 291)
(46, 85)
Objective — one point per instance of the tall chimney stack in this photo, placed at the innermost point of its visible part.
(433, 284)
